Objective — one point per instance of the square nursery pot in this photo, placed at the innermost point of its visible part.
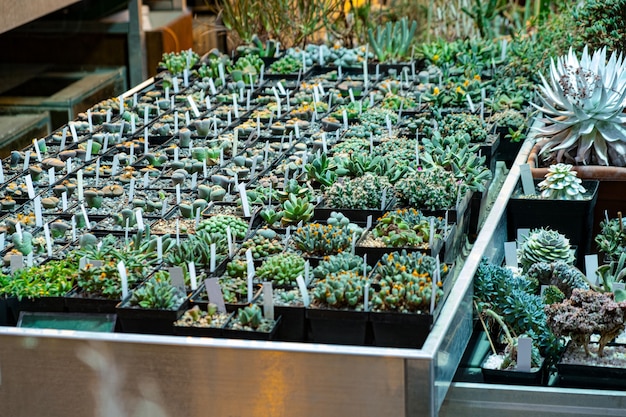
(230, 333)
(402, 330)
(201, 331)
(42, 304)
(341, 327)
(573, 218)
(4, 312)
(76, 302)
(489, 150)
(593, 376)
(148, 320)
(293, 327)
(537, 376)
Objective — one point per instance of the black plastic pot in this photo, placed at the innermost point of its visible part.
(48, 304)
(590, 376)
(148, 320)
(403, 330)
(342, 327)
(537, 376)
(573, 218)
(75, 302)
(230, 333)
(293, 327)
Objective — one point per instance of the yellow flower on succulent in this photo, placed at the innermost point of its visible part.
(436, 91)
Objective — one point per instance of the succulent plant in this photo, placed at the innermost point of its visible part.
(296, 209)
(364, 192)
(219, 223)
(392, 42)
(23, 242)
(265, 242)
(612, 238)
(406, 228)
(344, 261)
(543, 245)
(250, 316)
(195, 317)
(157, 293)
(320, 169)
(322, 240)
(344, 289)
(468, 123)
(559, 274)
(430, 189)
(281, 269)
(406, 282)
(583, 103)
(561, 183)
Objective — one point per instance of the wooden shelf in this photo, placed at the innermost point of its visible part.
(16, 13)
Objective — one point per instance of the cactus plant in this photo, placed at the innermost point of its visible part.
(391, 43)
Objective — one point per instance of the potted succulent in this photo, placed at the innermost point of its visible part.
(544, 245)
(401, 313)
(248, 323)
(153, 306)
(203, 323)
(562, 202)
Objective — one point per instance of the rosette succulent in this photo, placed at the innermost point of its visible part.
(543, 245)
(561, 183)
(583, 103)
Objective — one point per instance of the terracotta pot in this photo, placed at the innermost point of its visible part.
(585, 172)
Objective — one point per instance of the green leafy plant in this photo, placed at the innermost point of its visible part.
(344, 261)
(612, 239)
(364, 192)
(406, 228)
(321, 240)
(391, 43)
(345, 289)
(55, 278)
(281, 269)
(157, 293)
(429, 189)
(296, 209)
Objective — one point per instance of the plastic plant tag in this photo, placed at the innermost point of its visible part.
(178, 196)
(73, 223)
(214, 294)
(383, 199)
(178, 231)
(220, 69)
(510, 254)
(121, 129)
(68, 165)
(470, 102)
(38, 209)
(17, 262)
(250, 264)
(244, 200)
(175, 119)
(192, 276)
(18, 229)
(197, 219)
(268, 301)
(186, 78)
(126, 230)
(365, 265)
(176, 153)
(281, 88)
(187, 119)
(114, 165)
(436, 278)
(131, 190)
(339, 72)
(29, 186)
(229, 239)
(431, 237)
(46, 233)
(229, 118)
(1, 172)
(2, 241)
(139, 218)
(344, 114)
(146, 140)
(177, 279)
(351, 94)
(146, 180)
(26, 160)
(63, 138)
(121, 268)
(132, 124)
(37, 151)
(524, 349)
(194, 180)
(528, 185)
(303, 291)
(159, 244)
(73, 132)
(235, 106)
(366, 297)
(591, 266)
(164, 208)
(213, 259)
(175, 84)
(50, 176)
(522, 234)
(296, 129)
(503, 45)
(388, 121)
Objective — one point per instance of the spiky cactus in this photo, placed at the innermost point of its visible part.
(561, 183)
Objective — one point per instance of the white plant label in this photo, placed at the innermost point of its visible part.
(2, 241)
(186, 78)
(88, 150)
(194, 180)
(84, 211)
(244, 200)
(1, 172)
(344, 113)
(37, 151)
(131, 190)
(18, 229)
(214, 294)
(527, 179)
(307, 272)
(431, 238)
(80, 185)
(73, 222)
(193, 105)
(51, 179)
(591, 266)
(524, 350)
(73, 131)
(268, 301)
(29, 186)
(159, 241)
(250, 265)
(64, 200)
(192, 276)
(26, 160)
(17, 262)
(213, 257)
(68, 165)
(46, 233)
(63, 138)
(164, 208)
(366, 297)
(303, 291)
(38, 209)
(175, 85)
(178, 196)
(146, 140)
(510, 254)
(121, 268)
(139, 218)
